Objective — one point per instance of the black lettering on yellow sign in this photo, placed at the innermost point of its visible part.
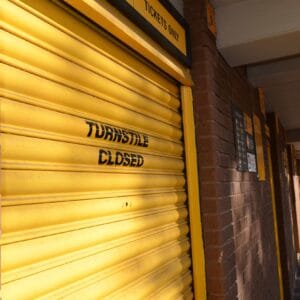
(151, 10)
(118, 158)
(118, 135)
(161, 20)
(173, 33)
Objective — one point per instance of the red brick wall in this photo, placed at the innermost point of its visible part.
(236, 208)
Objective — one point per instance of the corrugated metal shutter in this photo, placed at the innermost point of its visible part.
(93, 185)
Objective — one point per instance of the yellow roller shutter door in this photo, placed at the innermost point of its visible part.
(94, 204)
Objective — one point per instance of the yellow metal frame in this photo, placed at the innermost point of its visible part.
(109, 18)
(275, 221)
(193, 194)
(113, 21)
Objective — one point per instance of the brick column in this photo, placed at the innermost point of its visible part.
(236, 208)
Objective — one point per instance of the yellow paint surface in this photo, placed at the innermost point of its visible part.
(248, 124)
(193, 192)
(73, 228)
(275, 222)
(259, 148)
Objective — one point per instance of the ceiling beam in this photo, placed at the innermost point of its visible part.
(252, 31)
(275, 73)
(293, 135)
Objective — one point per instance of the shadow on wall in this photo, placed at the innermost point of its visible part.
(254, 239)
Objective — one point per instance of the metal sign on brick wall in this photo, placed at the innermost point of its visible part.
(244, 141)
(250, 144)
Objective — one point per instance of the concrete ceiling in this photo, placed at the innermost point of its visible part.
(281, 83)
(252, 31)
(265, 36)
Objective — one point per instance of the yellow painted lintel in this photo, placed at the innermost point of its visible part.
(119, 26)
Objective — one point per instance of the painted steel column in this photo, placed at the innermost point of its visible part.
(193, 193)
(275, 221)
